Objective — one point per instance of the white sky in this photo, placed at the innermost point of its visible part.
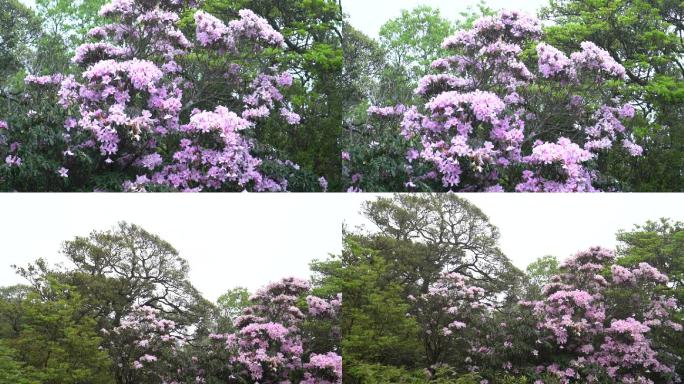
(535, 225)
(228, 239)
(251, 239)
(369, 15)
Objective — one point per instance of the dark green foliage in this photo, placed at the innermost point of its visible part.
(312, 31)
(646, 37)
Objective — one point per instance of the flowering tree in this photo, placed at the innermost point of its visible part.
(606, 326)
(448, 313)
(134, 107)
(269, 341)
(497, 119)
(269, 344)
(597, 322)
(145, 347)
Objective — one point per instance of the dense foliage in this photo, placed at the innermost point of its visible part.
(424, 305)
(123, 311)
(646, 37)
(495, 106)
(587, 98)
(142, 107)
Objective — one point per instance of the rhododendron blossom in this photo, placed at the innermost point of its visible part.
(493, 120)
(579, 322)
(597, 322)
(134, 106)
(268, 344)
(449, 309)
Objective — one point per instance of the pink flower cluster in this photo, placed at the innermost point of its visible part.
(269, 341)
(442, 81)
(448, 309)
(565, 154)
(131, 96)
(323, 369)
(481, 122)
(643, 273)
(43, 80)
(250, 27)
(576, 317)
(386, 111)
(324, 308)
(94, 52)
(597, 60)
(141, 337)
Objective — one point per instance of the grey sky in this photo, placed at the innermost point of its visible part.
(534, 225)
(250, 239)
(229, 239)
(369, 15)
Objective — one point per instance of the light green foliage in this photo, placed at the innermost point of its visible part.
(412, 42)
(381, 374)
(12, 371)
(538, 273)
(659, 243)
(230, 305)
(364, 63)
(11, 310)
(63, 26)
(58, 341)
(374, 326)
(19, 27)
(69, 19)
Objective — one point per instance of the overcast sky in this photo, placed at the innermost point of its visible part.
(229, 239)
(251, 239)
(369, 15)
(535, 225)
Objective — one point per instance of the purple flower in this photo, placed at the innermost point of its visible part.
(63, 172)
(323, 183)
(12, 160)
